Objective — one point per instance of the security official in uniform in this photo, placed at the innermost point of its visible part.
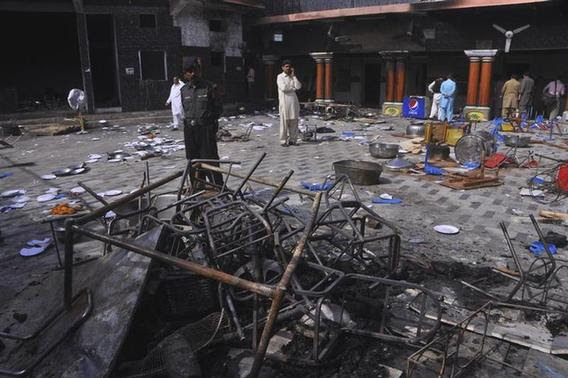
(202, 107)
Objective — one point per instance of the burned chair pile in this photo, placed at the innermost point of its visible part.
(280, 276)
(267, 259)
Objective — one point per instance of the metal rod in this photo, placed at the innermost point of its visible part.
(248, 176)
(201, 270)
(257, 180)
(127, 198)
(68, 267)
(93, 193)
(278, 190)
(281, 290)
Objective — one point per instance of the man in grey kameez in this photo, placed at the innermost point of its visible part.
(527, 89)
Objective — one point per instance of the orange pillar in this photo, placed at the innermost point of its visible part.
(390, 79)
(473, 80)
(319, 79)
(400, 79)
(329, 79)
(485, 83)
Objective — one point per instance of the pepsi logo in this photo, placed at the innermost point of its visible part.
(413, 104)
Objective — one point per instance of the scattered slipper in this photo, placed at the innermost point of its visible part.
(35, 247)
(382, 201)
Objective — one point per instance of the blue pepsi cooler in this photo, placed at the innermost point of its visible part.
(416, 107)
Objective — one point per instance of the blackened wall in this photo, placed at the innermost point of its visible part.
(137, 94)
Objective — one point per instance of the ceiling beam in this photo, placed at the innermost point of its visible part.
(390, 9)
(247, 3)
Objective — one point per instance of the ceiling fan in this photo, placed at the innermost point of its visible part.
(337, 38)
(412, 33)
(509, 34)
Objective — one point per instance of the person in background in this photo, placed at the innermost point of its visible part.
(510, 92)
(554, 91)
(434, 88)
(288, 104)
(250, 81)
(448, 93)
(526, 98)
(175, 101)
(202, 107)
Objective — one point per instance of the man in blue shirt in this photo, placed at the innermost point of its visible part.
(448, 91)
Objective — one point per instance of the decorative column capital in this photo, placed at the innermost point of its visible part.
(474, 59)
(396, 54)
(320, 56)
(269, 59)
(481, 54)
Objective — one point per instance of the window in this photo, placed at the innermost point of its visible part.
(278, 37)
(147, 20)
(217, 58)
(152, 65)
(216, 26)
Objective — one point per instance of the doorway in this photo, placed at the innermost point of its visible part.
(100, 28)
(372, 84)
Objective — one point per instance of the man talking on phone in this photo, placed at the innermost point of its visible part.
(289, 106)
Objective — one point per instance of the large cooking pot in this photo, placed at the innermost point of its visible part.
(517, 140)
(359, 172)
(468, 148)
(383, 150)
(415, 130)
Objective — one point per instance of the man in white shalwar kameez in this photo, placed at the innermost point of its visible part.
(175, 101)
(289, 106)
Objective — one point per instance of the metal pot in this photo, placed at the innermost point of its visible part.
(415, 130)
(469, 147)
(516, 140)
(359, 172)
(399, 164)
(383, 150)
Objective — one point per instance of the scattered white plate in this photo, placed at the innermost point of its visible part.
(18, 205)
(446, 229)
(95, 156)
(45, 197)
(78, 171)
(114, 160)
(385, 196)
(21, 199)
(12, 193)
(48, 177)
(111, 193)
(78, 190)
(91, 161)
